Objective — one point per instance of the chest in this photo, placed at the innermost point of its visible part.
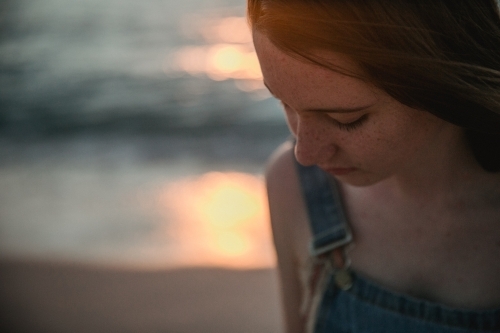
(429, 251)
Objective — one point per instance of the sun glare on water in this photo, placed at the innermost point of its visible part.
(228, 53)
(221, 219)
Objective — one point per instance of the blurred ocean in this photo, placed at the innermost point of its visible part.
(108, 105)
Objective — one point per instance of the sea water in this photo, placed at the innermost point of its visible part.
(127, 128)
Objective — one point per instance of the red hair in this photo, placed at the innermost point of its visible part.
(440, 56)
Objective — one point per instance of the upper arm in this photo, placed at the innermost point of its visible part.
(290, 231)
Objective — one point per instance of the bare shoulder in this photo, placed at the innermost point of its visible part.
(288, 214)
(291, 233)
(280, 172)
(289, 219)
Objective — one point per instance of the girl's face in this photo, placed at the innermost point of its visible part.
(346, 126)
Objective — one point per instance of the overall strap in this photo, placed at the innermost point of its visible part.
(327, 221)
(330, 233)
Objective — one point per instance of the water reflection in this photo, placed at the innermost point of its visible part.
(229, 54)
(221, 219)
(232, 29)
(97, 127)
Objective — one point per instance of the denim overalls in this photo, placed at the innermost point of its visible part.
(358, 305)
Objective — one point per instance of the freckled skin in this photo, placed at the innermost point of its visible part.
(424, 214)
(393, 140)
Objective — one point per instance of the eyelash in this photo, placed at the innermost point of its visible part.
(352, 125)
(343, 126)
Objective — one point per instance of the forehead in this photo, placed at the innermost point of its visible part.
(303, 83)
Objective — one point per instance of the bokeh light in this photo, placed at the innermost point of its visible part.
(232, 29)
(228, 54)
(221, 219)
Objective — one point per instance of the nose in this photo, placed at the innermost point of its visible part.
(314, 142)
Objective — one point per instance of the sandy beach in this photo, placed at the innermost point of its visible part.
(48, 297)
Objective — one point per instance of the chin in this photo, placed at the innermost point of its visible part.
(360, 180)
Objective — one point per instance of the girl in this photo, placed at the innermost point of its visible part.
(385, 208)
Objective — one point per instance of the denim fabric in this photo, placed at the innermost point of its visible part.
(330, 228)
(366, 307)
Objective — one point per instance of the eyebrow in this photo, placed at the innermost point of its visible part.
(330, 110)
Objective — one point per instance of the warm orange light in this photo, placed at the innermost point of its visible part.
(221, 62)
(229, 55)
(221, 219)
(233, 30)
(224, 60)
(227, 201)
(191, 59)
(232, 244)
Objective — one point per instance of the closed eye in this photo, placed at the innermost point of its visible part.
(345, 126)
(349, 126)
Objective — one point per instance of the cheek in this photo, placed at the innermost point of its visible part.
(376, 144)
(391, 145)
